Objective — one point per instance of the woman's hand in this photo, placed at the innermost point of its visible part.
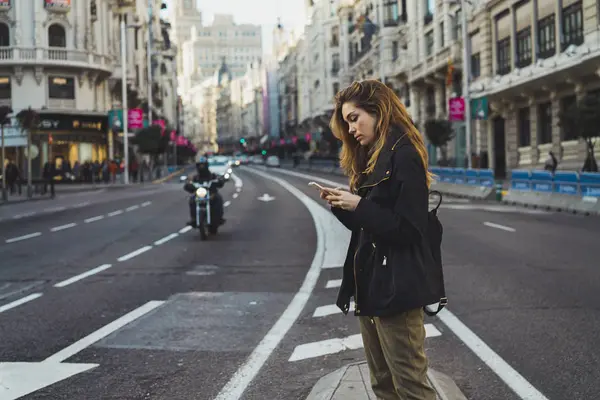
(343, 199)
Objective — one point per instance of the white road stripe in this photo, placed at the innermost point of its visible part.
(101, 333)
(332, 266)
(238, 190)
(132, 208)
(55, 209)
(498, 226)
(17, 303)
(334, 283)
(94, 219)
(337, 345)
(330, 309)
(146, 204)
(79, 277)
(19, 216)
(512, 378)
(134, 253)
(112, 214)
(24, 237)
(227, 203)
(166, 239)
(235, 195)
(186, 229)
(315, 178)
(237, 181)
(63, 227)
(79, 205)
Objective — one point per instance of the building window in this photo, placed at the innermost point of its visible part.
(524, 47)
(524, 125)
(547, 37)
(57, 36)
(335, 64)
(475, 65)
(5, 88)
(335, 36)
(336, 88)
(429, 11)
(390, 13)
(4, 35)
(566, 103)
(430, 101)
(503, 56)
(429, 43)
(61, 88)
(457, 26)
(442, 35)
(545, 123)
(406, 95)
(572, 25)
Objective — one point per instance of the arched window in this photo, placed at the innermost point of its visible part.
(4, 35)
(57, 36)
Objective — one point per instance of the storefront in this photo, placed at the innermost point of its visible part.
(72, 137)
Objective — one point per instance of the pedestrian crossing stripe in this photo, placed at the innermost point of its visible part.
(330, 309)
(334, 283)
(337, 345)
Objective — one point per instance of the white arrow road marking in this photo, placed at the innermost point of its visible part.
(19, 379)
(24, 237)
(265, 197)
(17, 303)
(134, 253)
(63, 227)
(337, 345)
(333, 283)
(94, 219)
(166, 239)
(82, 276)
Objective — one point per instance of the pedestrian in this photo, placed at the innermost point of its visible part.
(389, 268)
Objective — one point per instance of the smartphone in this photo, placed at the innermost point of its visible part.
(321, 188)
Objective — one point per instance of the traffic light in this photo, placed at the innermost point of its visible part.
(264, 152)
(242, 140)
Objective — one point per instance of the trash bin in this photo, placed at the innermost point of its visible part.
(498, 191)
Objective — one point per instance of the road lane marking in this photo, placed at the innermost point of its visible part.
(227, 203)
(314, 178)
(146, 203)
(235, 195)
(118, 212)
(329, 309)
(79, 205)
(94, 219)
(29, 214)
(238, 190)
(237, 181)
(24, 237)
(79, 277)
(235, 387)
(337, 345)
(334, 283)
(498, 226)
(55, 209)
(132, 208)
(63, 227)
(186, 229)
(101, 333)
(166, 239)
(512, 378)
(17, 303)
(134, 253)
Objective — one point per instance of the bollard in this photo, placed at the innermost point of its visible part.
(498, 191)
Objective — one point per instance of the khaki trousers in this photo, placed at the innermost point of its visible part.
(394, 347)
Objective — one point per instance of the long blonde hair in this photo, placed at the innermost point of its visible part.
(381, 102)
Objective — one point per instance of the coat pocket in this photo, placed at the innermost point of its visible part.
(382, 286)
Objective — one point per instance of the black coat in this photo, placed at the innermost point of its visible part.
(389, 267)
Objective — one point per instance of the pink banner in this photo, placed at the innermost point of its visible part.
(135, 119)
(181, 141)
(173, 136)
(456, 109)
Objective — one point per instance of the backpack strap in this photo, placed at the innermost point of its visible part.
(435, 192)
(442, 304)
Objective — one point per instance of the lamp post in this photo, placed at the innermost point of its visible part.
(124, 100)
(466, 79)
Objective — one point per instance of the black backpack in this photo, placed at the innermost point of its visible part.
(435, 231)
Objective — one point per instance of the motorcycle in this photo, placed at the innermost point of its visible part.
(206, 222)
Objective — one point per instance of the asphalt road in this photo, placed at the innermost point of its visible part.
(109, 296)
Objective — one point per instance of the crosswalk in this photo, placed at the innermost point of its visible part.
(335, 345)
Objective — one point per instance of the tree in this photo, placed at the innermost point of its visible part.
(439, 132)
(28, 119)
(583, 118)
(151, 140)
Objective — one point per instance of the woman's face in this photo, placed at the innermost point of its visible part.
(361, 124)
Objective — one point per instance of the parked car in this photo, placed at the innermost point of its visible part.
(273, 161)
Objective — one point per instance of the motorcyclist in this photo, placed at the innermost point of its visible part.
(203, 174)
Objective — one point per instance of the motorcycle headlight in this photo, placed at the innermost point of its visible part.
(201, 192)
(229, 171)
(226, 176)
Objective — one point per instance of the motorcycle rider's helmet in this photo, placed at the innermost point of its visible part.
(202, 164)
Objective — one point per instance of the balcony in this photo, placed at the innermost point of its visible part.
(61, 104)
(54, 57)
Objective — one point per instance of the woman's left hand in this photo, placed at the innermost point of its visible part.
(343, 199)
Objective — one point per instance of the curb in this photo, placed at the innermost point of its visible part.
(326, 386)
(166, 178)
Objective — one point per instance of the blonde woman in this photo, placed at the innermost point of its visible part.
(389, 266)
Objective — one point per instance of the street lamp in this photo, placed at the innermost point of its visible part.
(124, 100)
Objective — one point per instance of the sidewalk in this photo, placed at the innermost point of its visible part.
(352, 382)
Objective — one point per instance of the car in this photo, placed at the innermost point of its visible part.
(219, 165)
(273, 161)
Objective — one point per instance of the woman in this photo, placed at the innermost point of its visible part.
(389, 265)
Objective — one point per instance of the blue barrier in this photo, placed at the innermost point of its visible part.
(563, 182)
(472, 177)
(541, 181)
(520, 180)
(463, 176)
(589, 184)
(566, 182)
(458, 176)
(486, 177)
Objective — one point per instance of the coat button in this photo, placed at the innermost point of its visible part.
(387, 172)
